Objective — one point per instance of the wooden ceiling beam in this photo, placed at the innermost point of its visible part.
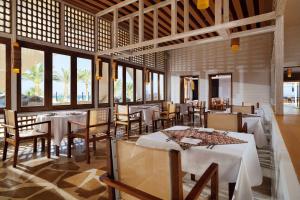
(250, 7)
(239, 12)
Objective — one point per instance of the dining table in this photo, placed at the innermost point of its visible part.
(59, 124)
(147, 112)
(239, 166)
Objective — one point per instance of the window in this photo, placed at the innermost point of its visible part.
(129, 84)
(139, 85)
(155, 86)
(61, 78)
(104, 84)
(149, 88)
(32, 77)
(118, 86)
(161, 87)
(2, 75)
(84, 81)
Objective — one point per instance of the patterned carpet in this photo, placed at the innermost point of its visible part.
(37, 177)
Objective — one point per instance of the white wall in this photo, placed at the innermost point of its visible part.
(250, 67)
(175, 89)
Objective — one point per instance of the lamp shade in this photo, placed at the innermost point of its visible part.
(289, 72)
(202, 4)
(235, 44)
(114, 70)
(99, 69)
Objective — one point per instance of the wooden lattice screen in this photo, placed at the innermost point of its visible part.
(149, 58)
(160, 61)
(123, 39)
(79, 29)
(137, 59)
(5, 16)
(39, 20)
(104, 34)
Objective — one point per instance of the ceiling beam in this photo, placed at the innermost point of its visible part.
(117, 6)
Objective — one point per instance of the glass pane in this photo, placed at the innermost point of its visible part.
(84, 81)
(2, 75)
(149, 88)
(32, 77)
(104, 84)
(139, 85)
(161, 87)
(118, 86)
(155, 86)
(61, 79)
(129, 84)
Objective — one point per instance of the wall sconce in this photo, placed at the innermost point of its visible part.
(235, 45)
(98, 69)
(15, 70)
(114, 71)
(289, 72)
(202, 4)
(16, 44)
(147, 76)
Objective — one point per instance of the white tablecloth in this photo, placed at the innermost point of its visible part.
(237, 162)
(59, 124)
(255, 126)
(147, 112)
(183, 107)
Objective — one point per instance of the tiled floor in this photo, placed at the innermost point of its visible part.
(37, 177)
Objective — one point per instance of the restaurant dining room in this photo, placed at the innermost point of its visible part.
(146, 99)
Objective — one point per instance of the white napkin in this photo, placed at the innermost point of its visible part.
(209, 130)
(190, 140)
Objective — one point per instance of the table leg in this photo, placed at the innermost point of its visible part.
(57, 150)
(193, 177)
(231, 187)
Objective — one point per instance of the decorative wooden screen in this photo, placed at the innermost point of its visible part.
(137, 59)
(79, 29)
(160, 60)
(149, 58)
(123, 39)
(39, 20)
(5, 19)
(104, 34)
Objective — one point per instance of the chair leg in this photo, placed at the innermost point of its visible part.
(94, 144)
(49, 146)
(115, 132)
(140, 127)
(16, 154)
(34, 145)
(69, 146)
(127, 130)
(5, 149)
(87, 151)
(43, 144)
(153, 126)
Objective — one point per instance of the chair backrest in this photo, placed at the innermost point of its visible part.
(10, 118)
(165, 105)
(202, 104)
(223, 121)
(172, 108)
(243, 109)
(123, 110)
(98, 116)
(149, 170)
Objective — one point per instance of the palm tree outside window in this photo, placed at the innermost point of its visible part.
(84, 81)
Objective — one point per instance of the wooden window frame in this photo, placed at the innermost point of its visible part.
(48, 106)
(159, 88)
(101, 105)
(7, 43)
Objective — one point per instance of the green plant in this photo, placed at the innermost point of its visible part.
(85, 77)
(63, 76)
(35, 74)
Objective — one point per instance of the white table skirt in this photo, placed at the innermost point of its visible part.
(254, 126)
(237, 162)
(183, 107)
(147, 112)
(59, 124)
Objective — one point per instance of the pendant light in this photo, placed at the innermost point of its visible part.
(16, 64)
(202, 4)
(99, 69)
(235, 45)
(114, 71)
(289, 72)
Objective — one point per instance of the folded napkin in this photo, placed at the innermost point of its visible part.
(190, 140)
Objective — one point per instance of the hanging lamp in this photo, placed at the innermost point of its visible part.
(202, 4)
(235, 45)
(289, 72)
(99, 69)
(114, 71)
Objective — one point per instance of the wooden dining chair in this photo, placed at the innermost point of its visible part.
(152, 174)
(165, 105)
(125, 118)
(17, 131)
(243, 109)
(96, 127)
(197, 110)
(169, 115)
(225, 121)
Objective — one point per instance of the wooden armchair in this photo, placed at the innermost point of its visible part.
(225, 121)
(169, 115)
(243, 109)
(152, 174)
(197, 109)
(123, 117)
(165, 105)
(97, 127)
(14, 134)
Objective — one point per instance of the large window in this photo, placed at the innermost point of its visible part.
(129, 84)
(139, 85)
(155, 86)
(118, 85)
(104, 84)
(2, 75)
(61, 77)
(32, 77)
(84, 81)
(161, 87)
(149, 88)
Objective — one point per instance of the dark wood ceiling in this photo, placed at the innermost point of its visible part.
(198, 18)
